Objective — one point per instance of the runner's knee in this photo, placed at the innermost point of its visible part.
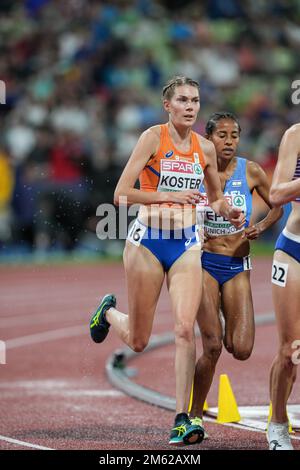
(228, 345)
(242, 354)
(239, 349)
(184, 332)
(286, 356)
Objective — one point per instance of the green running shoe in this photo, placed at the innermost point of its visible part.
(186, 433)
(99, 326)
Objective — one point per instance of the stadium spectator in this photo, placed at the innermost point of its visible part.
(94, 69)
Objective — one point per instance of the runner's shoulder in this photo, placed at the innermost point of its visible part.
(206, 145)
(153, 132)
(294, 130)
(255, 171)
(150, 138)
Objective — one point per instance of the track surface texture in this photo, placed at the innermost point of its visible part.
(54, 390)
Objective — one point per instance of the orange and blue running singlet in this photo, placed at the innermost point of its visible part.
(169, 170)
(173, 170)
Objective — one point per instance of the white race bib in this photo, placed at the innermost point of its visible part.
(136, 233)
(216, 225)
(247, 263)
(179, 175)
(279, 273)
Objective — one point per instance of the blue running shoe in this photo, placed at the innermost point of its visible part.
(186, 433)
(99, 326)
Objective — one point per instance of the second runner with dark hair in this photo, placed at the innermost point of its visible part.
(226, 262)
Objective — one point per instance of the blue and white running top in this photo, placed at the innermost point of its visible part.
(297, 175)
(237, 194)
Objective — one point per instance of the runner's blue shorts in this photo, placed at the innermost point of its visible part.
(223, 268)
(166, 245)
(289, 243)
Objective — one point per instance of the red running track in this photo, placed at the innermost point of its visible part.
(54, 391)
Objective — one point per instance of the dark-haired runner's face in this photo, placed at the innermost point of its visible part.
(183, 106)
(225, 138)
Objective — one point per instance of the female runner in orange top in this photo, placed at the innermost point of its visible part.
(171, 161)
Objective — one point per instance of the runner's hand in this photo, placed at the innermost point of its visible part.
(236, 217)
(252, 232)
(192, 196)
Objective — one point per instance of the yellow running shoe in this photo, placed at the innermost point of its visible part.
(199, 422)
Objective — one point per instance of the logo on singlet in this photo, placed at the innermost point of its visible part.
(198, 169)
(169, 154)
(238, 201)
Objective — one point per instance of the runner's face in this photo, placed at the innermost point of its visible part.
(226, 138)
(184, 105)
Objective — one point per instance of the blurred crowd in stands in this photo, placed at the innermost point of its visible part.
(83, 79)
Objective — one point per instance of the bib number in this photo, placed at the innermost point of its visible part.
(279, 273)
(136, 233)
(247, 263)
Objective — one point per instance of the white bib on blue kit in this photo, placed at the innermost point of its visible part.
(237, 194)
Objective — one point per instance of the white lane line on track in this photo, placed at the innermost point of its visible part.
(23, 443)
(42, 297)
(64, 393)
(29, 320)
(38, 318)
(44, 302)
(244, 428)
(53, 335)
(55, 387)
